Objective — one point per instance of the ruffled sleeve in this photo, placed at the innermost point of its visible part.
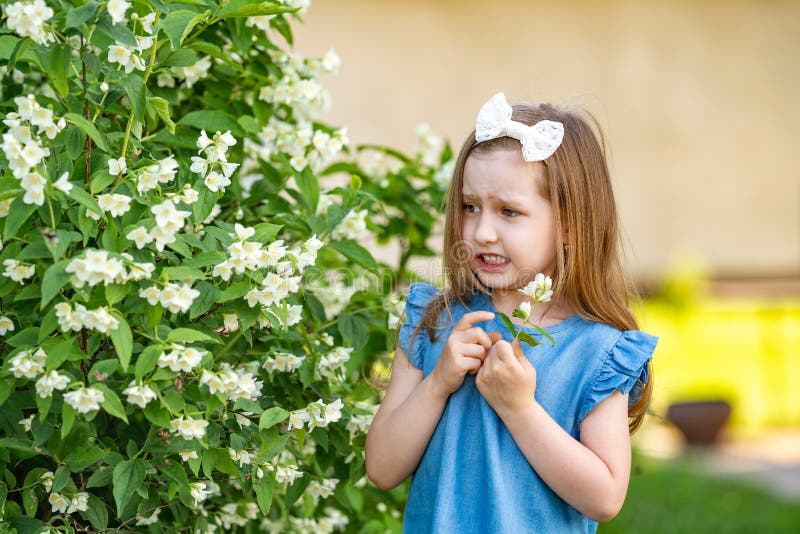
(624, 370)
(419, 295)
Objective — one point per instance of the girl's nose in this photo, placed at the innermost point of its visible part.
(484, 232)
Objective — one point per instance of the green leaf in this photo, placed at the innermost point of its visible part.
(122, 339)
(182, 273)
(127, 478)
(161, 107)
(60, 478)
(200, 305)
(147, 360)
(263, 489)
(111, 404)
(100, 478)
(272, 417)
(90, 130)
(212, 121)
(183, 335)
(520, 314)
(58, 73)
(100, 180)
(234, 291)
(266, 232)
(19, 51)
(353, 251)
(96, 513)
(78, 15)
(86, 200)
(178, 24)
(176, 472)
(354, 330)
(18, 213)
(253, 8)
(54, 279)
(116, 292)
(173, 400)
(309, 187)
(545, 334)
(136, 90)
(6, 388)
(67, 419)
(527, 338)
(507, 322)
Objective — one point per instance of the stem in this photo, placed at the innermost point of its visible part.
(230, 344)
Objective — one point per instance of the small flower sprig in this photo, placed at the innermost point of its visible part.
(539, 290)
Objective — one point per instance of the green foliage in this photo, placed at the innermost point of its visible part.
(186, 316)
(678, 497)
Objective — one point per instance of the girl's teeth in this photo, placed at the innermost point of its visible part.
(494, 259)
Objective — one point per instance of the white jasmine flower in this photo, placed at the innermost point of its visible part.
(85, 399)
(49, 382)
(62, 184)
(198, 492)
(114, 203)
(139, 395)
(104, 87)
(188, 455)
(351, 226)
(231, 322)
(117, 166)
(27, 18)
(28, 363)
(287, 474)
(27, 422)
(140, 236)
(117, 9)
(149, 520)
(47, 479)
(18, 271)
(525, 309)
(6, 325)
(58, 502)
(189, 428)
(540, 289)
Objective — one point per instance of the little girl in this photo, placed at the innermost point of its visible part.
(500, 437)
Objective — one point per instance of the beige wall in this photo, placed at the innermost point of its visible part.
(700, 102)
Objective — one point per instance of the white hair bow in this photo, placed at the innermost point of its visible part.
(538, 141)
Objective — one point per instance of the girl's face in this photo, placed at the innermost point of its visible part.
(508, 227)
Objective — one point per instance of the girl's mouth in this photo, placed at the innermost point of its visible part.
(492, 262)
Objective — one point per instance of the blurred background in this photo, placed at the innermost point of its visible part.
(700, 103)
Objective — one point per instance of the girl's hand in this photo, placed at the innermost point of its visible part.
(507, 380)
(463, 353)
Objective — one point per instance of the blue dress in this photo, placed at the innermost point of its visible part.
(473, 478)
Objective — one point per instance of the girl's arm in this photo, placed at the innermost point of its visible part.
(591, 474)
(404, 424)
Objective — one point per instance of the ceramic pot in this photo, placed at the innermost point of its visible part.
(700, 421)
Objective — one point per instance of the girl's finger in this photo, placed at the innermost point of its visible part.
(466, 322)
(504, 351)
(479, 336)
(473, 350)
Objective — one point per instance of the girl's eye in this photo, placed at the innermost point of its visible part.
(508, 212)
(471, 208)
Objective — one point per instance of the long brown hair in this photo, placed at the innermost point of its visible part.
(589, 273)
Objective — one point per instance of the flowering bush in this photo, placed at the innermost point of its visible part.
(184, 310)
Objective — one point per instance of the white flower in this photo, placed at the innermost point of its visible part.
(140, 236)
(321, 490)
(149, 520)
(27, 422)
(62, 184)
(18, 271)
(231, 322)
(117, 9)
(139, 395)
(28, 18)
(79, 503)
(287, 474)
(198, 492)
(49, 382)
(216, 182)
(114, 203)
(85, 399)
(188, 455)
(525, 308)
(47, 479)
(104, 87)
(6, 325)
(28, 363)
(540, 289)
(58, 502)
(353, 224)
(189, 428)
(117, 166)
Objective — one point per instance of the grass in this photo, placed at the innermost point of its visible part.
(676, 497)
